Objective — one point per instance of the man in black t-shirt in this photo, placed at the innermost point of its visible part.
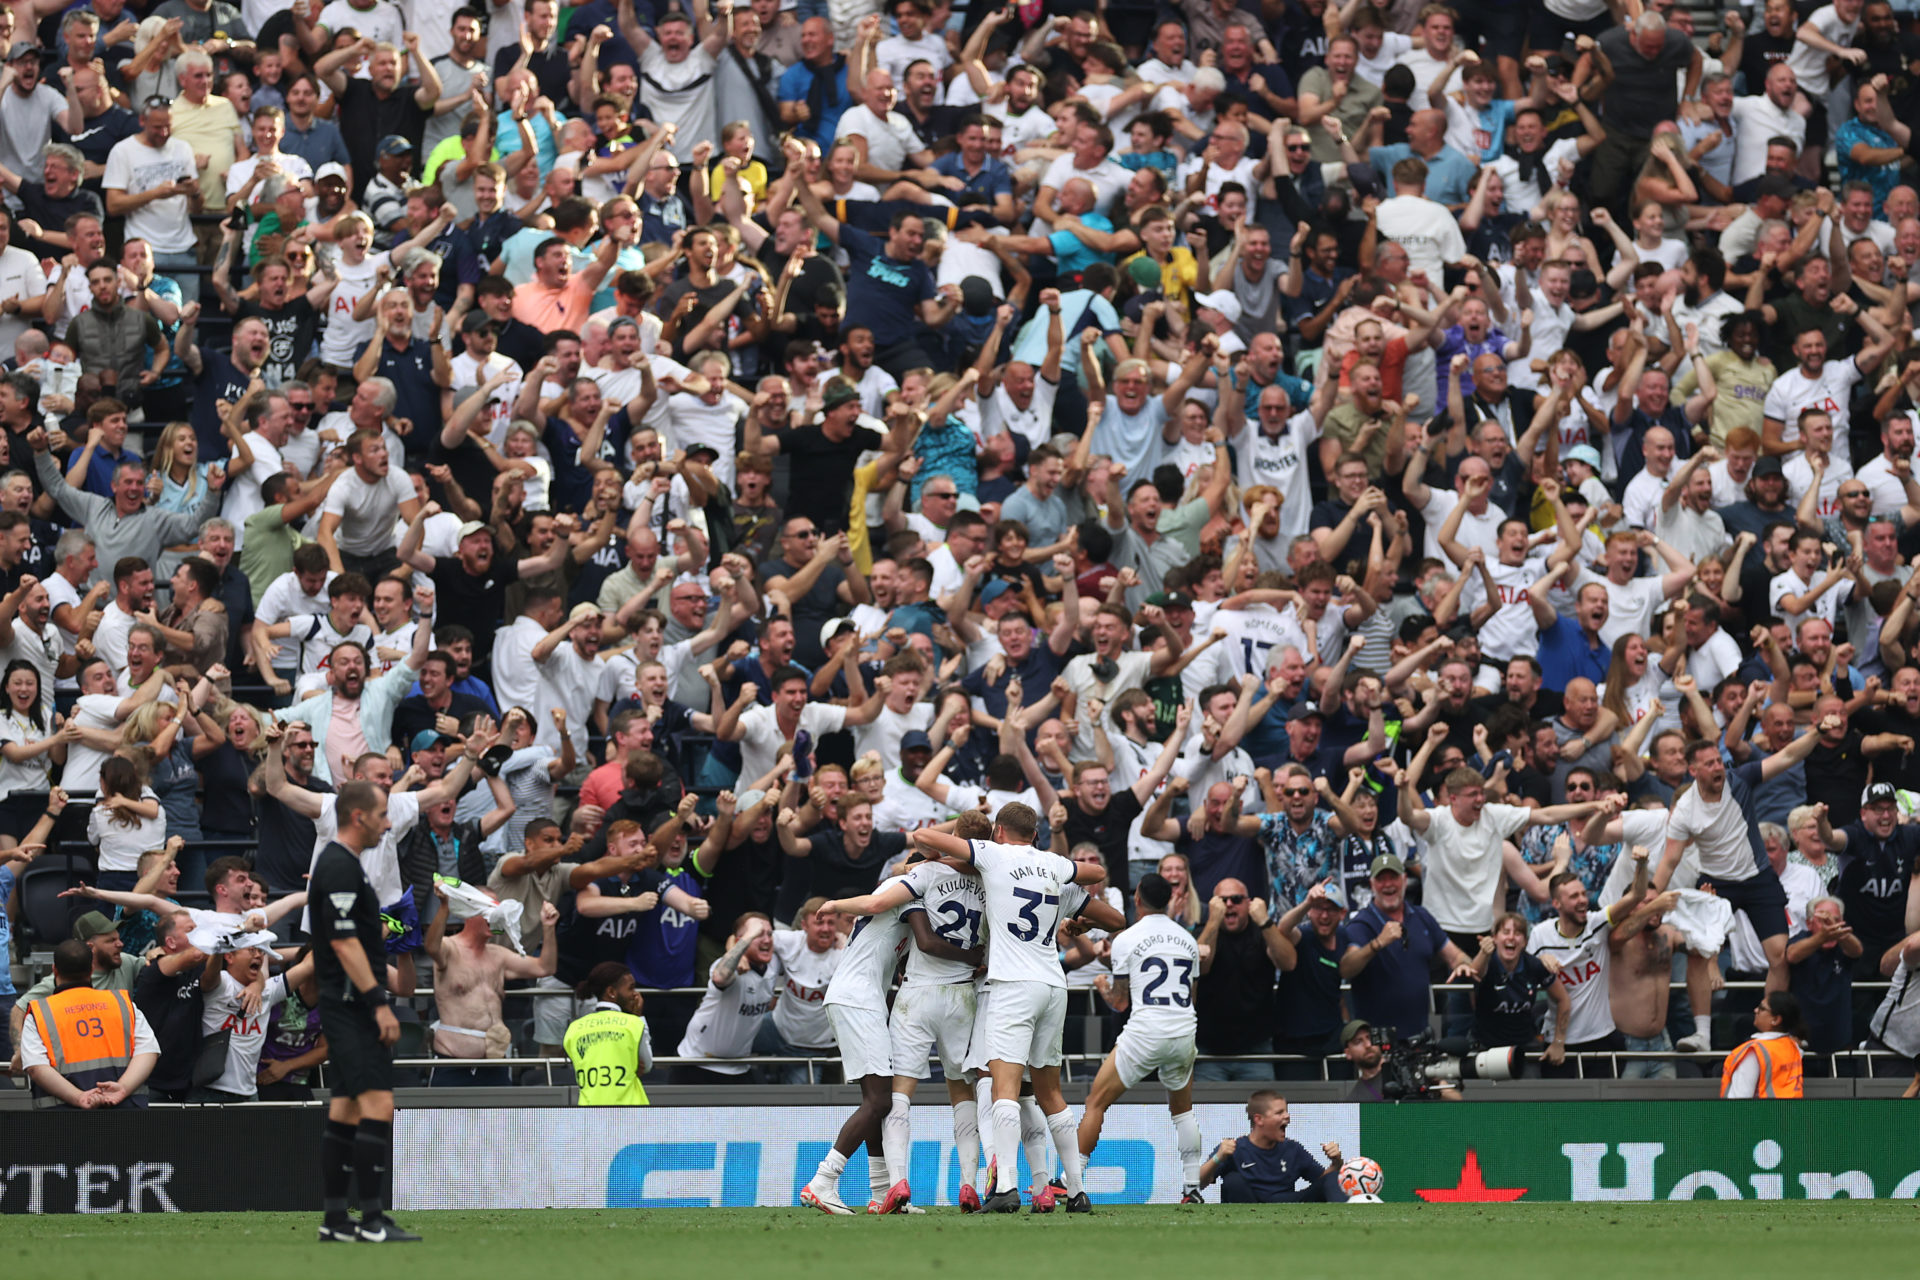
(1233, 1003)
(167, 991)
(843, 861)
(350, 964)
(824, 456)
(472, 585)
(286, 837)
(380, 105)
(292, 319)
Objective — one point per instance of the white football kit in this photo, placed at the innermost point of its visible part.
(857, 996)
(1160, 962)
(1025, 984)
(934, 1011)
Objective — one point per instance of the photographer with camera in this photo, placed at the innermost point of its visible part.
(1267, 1167)
(1375, 1083)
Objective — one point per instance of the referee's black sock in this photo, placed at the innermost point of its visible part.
(336, 1170)
(372, 1147)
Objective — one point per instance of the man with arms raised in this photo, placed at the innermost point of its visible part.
(1715, 817)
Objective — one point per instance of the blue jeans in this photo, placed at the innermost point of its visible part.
(1224, 1071)
(189, 281)
(1646, 1069)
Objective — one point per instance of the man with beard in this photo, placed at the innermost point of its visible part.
(353, 716)
(1475, 336)
(292, 320)
(378, 106)
(1889, 477)
(472, 583)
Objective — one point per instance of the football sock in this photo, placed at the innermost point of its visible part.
(1006, 1142)
(966, 1141)
(827, 1177)
(877, 1178)
(372, 1143)
(1066, 1140)
(983, 1109)
(1033, 1138)
(336, 1169)
(1186, 1132)
(896, 1134)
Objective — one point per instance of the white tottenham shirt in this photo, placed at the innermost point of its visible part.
(1583, 972)
(955, 906)
(222, 1012)
(1023, 892)
(801, 1015)
(728, 1019)
(1160, 962)
(874, 948)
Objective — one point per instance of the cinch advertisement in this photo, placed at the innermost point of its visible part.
(668, 1157)
(1594, 1151)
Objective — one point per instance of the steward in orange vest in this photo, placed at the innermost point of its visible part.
(83, 1048)
(1768, 1066)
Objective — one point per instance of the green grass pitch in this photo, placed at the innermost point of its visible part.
(1701, 1240)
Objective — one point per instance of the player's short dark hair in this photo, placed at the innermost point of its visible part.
(1261, 1101)
(1565, 877)
(539, 827)
(357, 797)
(1154, 891)
(1017, 820)
(350, 584)
(126, 567)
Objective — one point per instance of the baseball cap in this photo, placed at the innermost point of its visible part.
(331, 169)
(1330, 895)
(469, 528)
(915, 739)
(831, 628)
(1352, 1029)
(393, 145)
(1583, 453)
(428, 739)
(479, 321)
(1170, 600)
(1145, 271)
(1303, 709)
(993, 591)
(1387, 862)
(838, 392)
(1881, 793)
(1769, 466)
(23, 49)
(1221, 300)
(94, 923)
(698, 450)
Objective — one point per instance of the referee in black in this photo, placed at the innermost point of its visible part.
(350, 961)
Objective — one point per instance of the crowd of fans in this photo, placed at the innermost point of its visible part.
(1377, 466)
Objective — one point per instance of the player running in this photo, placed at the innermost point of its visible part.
(857, 1007)
(1162, 958)
(1025, 985)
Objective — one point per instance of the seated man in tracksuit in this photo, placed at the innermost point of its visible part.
(1266, 1166)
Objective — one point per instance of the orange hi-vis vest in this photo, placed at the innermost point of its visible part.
(1779, 1062)
(88, 1034)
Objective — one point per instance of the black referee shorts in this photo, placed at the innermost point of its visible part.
(1761, 896)
(357, 1062)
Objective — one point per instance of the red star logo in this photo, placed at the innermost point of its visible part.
(1472, 1187)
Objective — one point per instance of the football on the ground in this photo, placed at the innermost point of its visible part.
(1361, 1177)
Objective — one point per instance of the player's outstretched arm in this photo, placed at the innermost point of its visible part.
(940, 844)
(894, 893)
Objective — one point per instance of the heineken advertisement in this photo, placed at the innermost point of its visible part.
(1497, 1152)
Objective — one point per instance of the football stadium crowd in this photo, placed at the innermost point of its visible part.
(1377, 467)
